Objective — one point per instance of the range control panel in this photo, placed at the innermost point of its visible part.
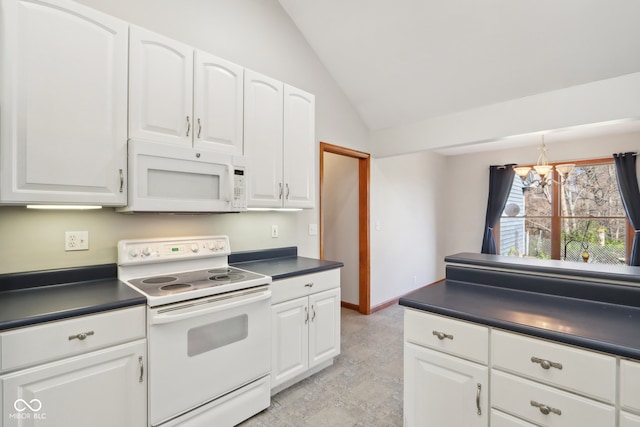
(156, 250)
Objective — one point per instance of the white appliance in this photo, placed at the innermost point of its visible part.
(208, 330)
(170, 178)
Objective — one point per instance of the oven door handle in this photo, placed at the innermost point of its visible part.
(218, 304)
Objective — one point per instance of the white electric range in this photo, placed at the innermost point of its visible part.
(208, 330)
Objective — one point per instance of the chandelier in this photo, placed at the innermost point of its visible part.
(542, 172)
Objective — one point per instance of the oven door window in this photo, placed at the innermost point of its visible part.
(215, 335)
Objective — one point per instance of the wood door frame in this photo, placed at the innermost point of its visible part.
(364, 177)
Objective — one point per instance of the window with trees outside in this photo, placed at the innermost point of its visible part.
(579, 219)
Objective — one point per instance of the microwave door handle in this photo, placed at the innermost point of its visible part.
(230, 175)
(164, 318)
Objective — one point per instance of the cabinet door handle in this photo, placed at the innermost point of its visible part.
(121, 181)
(442, 335)
(314, 313)
(81, 336)
(306, 318)
(287, 195)
(280, 191)
(546, 364)
(188, 126)
(199, 127)
(546, 409)
(141, 365)
(478, 399)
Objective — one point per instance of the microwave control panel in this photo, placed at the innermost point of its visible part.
(239, 189)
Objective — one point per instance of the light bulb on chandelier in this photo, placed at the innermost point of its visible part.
(542, 172)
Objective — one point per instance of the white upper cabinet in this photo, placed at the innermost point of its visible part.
(183, 96)
(64, 104)
(160, 88)
(279, 143)
(299, 148)
(218, 102)
(263, 103)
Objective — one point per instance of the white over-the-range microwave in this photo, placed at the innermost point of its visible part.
(169, 178)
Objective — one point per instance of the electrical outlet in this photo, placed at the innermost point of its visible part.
(313, 229)
(274, 231)
(76, 241)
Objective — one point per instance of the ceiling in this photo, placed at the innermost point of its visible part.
(401, 61)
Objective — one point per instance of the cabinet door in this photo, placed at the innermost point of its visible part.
(290, 335)
(160, 88)
(263, 139)
(218, 102)
(443, 390)
(324, 326)
(64, 104)
(629, 420)
(299, 148)
(104, 388)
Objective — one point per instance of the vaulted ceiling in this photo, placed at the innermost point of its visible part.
(400, 61)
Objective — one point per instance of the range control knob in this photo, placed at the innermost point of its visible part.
(134, 253)
(194, 248)
(147, 251)
(219, 245)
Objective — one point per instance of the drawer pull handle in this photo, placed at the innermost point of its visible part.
(546, 364)
(545, 409)
(81, 336)
(478, 399)
(308, 285)
(442, 335)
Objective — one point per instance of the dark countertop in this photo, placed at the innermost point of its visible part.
(26, 300)
(507, 300)
(280, 263)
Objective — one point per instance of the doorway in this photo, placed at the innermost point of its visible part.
(357, 164)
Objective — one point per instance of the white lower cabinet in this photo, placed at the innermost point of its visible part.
(442, 387)
(305, 329)
(443, 390)
(103, 388)
(85, 371)
(534, 382)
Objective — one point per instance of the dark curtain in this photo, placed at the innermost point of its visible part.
(500, 181)
(628, 186)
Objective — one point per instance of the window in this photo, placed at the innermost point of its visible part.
(580, 219)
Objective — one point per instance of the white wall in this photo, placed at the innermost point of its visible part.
(467, 181)
(341, 229)
(407, 216)
(256, 34)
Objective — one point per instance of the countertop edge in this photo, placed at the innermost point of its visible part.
(579, 341)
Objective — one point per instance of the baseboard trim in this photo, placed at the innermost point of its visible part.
(350, 306)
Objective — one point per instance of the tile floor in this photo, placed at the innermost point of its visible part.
(362, 388)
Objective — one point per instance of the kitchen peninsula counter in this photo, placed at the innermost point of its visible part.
(563, 302)
(280, 263)
(35, 297)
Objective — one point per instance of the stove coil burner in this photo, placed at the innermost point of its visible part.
(229, 277)
(176, 287)
(158, 280)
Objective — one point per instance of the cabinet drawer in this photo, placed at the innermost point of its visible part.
(529, 400)
(36, 344)
(500, 419)
(585, 372)
(630, 385)
(307, 284)
(452, 336)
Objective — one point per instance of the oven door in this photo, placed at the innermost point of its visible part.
(202, 349)
(166, 178)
